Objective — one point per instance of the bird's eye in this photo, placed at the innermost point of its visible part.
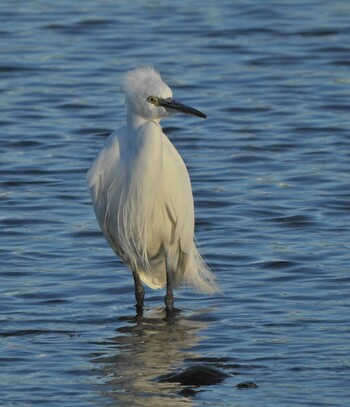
(153, 100)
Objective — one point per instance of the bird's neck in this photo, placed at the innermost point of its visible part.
(139, 127)
(135, 121)
(144, 145)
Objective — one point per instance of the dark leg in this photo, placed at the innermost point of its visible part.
(169, 296)
(139, 293)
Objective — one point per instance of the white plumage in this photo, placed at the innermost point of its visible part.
(142, 193)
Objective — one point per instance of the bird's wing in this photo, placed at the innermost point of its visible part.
(180, 202)
(100, 174)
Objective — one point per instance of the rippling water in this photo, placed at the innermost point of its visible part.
(270, 172)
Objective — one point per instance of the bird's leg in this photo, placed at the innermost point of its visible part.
(139, 293)
(169, 296)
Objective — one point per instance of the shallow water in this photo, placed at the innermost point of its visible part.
(270, 173)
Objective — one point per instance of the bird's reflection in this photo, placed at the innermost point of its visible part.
(146, 348)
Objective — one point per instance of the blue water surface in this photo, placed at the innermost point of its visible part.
(271, 182)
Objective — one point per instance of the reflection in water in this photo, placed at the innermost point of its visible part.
(147, 348)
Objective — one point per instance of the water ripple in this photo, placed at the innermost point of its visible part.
(270, 174)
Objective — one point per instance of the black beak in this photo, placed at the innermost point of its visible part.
(180, 107)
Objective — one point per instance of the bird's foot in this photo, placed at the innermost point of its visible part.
(139, 294)
(169, 305)
(139, 309)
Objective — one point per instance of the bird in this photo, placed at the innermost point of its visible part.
(142, 195)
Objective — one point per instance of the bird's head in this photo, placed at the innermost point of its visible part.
(149, 97)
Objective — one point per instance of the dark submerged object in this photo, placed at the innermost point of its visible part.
(246, 385)
(199, 374)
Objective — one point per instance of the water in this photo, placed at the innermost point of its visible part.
(270, 172)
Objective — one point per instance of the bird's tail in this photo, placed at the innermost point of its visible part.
(199, 276)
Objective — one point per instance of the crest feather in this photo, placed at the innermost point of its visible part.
(138, 80)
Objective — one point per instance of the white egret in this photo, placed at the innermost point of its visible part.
(142, 194)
